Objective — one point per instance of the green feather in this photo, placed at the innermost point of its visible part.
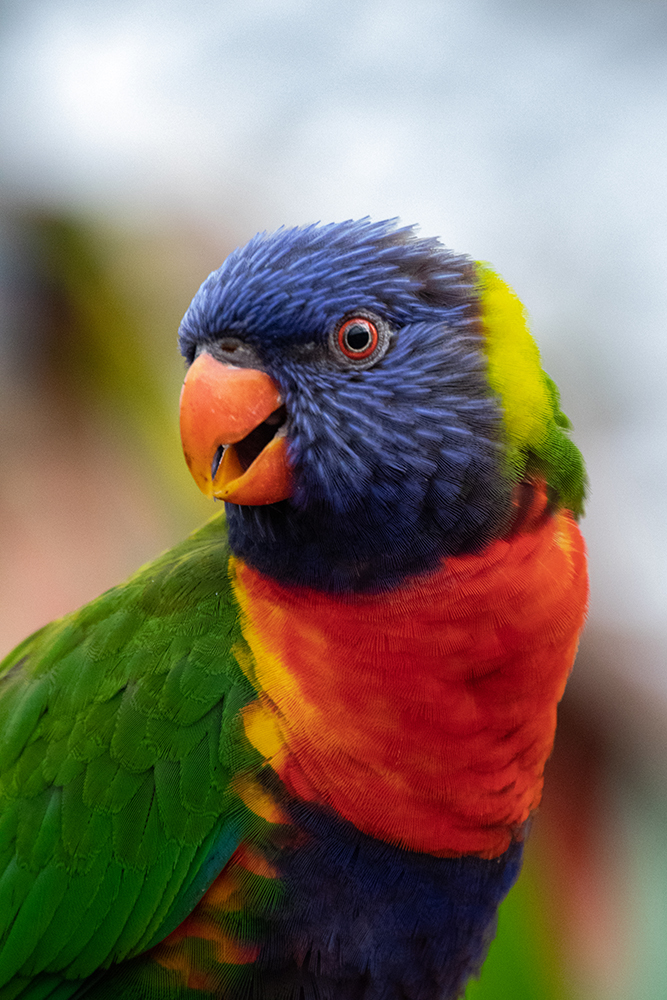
(535, 426)
(119, 734)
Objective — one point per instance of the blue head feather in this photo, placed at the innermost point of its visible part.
(395, 465)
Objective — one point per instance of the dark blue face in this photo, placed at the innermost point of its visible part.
(394, 436)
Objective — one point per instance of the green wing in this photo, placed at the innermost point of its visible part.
(119, 734)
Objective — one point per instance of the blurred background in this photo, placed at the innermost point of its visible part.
(141, 141)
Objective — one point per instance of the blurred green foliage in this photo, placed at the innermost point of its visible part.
(525, 959)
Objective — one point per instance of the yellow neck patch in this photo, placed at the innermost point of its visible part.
(515, 370)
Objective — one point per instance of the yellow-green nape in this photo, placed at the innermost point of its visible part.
(536, 428)
(514, 367)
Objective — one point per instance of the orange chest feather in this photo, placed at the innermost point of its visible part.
(424, 716)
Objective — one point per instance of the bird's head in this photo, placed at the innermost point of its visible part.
(366, 402)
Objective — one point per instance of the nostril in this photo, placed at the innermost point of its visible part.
(217, 459)
(229, 345)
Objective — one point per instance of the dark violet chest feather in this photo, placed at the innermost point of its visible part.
(364, 919)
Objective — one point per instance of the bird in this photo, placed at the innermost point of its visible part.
(296, 756)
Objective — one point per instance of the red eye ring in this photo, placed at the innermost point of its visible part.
(355, 328)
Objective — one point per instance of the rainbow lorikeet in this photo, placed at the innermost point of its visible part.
(293, 758)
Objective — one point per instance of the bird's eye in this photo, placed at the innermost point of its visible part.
(359, 341)
(358, 338)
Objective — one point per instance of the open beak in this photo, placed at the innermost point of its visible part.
(233, 433)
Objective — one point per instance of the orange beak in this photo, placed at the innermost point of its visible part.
(228, 419)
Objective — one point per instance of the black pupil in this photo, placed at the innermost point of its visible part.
(358, 337)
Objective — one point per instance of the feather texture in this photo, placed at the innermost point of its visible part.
(298, 765)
